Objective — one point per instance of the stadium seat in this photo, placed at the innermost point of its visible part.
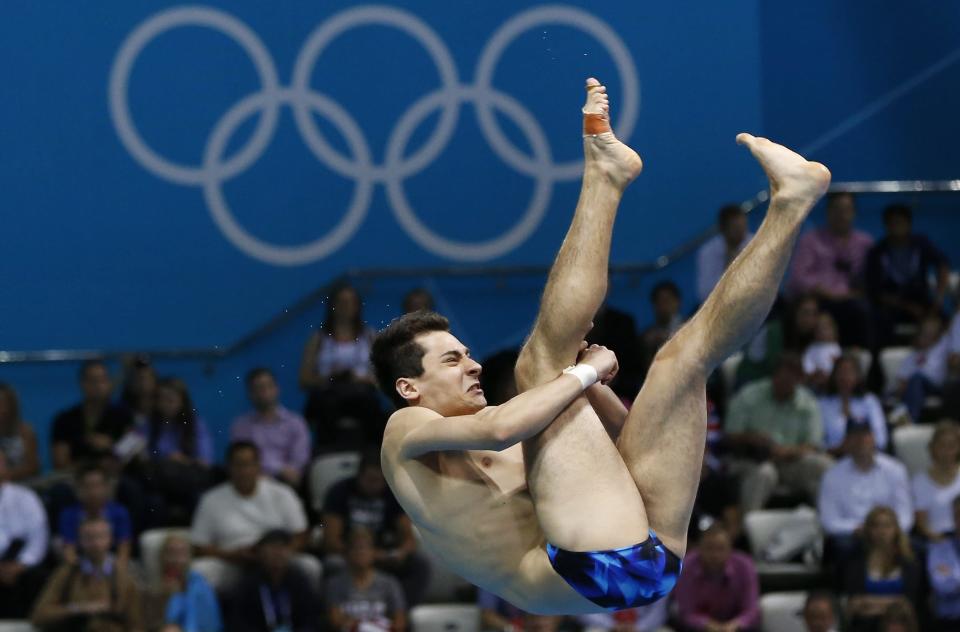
(150, 543)
(16, 626)
(328, 470)
(445, 618)
(729, 371)
(910, 446)
(890, 360)
(766, 530)
(783, 612)
(863, 358)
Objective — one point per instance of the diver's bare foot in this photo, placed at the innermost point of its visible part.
(602, 151)
(793, 179)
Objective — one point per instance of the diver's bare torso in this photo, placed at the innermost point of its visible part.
(473, 511)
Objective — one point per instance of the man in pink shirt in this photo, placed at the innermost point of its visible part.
(719, 590)
(281, 434)
(829, 262)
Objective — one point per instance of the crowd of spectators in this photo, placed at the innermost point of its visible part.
(805, 416)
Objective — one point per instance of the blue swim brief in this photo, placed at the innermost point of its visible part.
(620, 578)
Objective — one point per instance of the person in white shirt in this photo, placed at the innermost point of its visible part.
(23, 545)
(715, 255)
(935, 489)
(924, 371)
(233, 516)
(858, 483)
(820, 355)
(847, 398)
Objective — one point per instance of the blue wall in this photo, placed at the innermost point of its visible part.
(109, 248)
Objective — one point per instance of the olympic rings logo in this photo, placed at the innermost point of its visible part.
(360, 165)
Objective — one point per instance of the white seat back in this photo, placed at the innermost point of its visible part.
(445, 618)
(764, 525)
(329, 469)
(890, 361)
(910, 446)
(783, 612)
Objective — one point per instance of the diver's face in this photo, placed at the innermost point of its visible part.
(450, 382)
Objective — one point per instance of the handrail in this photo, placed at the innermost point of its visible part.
(358, 274)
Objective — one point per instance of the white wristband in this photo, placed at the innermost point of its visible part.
(585, 373)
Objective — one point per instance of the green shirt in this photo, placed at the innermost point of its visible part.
(791, 423)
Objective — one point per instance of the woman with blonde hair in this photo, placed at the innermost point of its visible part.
(933, 491)
(883, 573)
(183, 601)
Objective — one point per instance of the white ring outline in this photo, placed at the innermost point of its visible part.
(134, 44)
(248, 243)
(458, 250)
(413, 26)
(566, 16)
(450, 96)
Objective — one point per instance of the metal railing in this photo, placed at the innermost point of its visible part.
(354, 275)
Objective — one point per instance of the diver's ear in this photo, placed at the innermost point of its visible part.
(408, 390)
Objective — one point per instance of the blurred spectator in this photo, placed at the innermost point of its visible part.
(233, 516)
(716, 253)
(650, 618)
(935, 489)
(801, 325)
(179, 451)
(896, 275)
(91, 428)
(280, 433)
(95, 593)
(617, 330)
(943, 570)
(186, 602)
(138, 394)
(361, 597)
(23, 545)
(829, 262)
(95, 493)
(951, 387)
(366, 501)
(665, 300)
(856, 484)
(277, 596)
(924, 371)
(718, 590)
(899, 617)
(819, 356)
(882, 572)
(847, 398)
(417, 299)
(818, 612)
(773, 427)
(343, 403)
(496, 378)
(18, 442)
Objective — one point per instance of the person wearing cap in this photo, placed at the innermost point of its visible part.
(276, 596)
(862, 480)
